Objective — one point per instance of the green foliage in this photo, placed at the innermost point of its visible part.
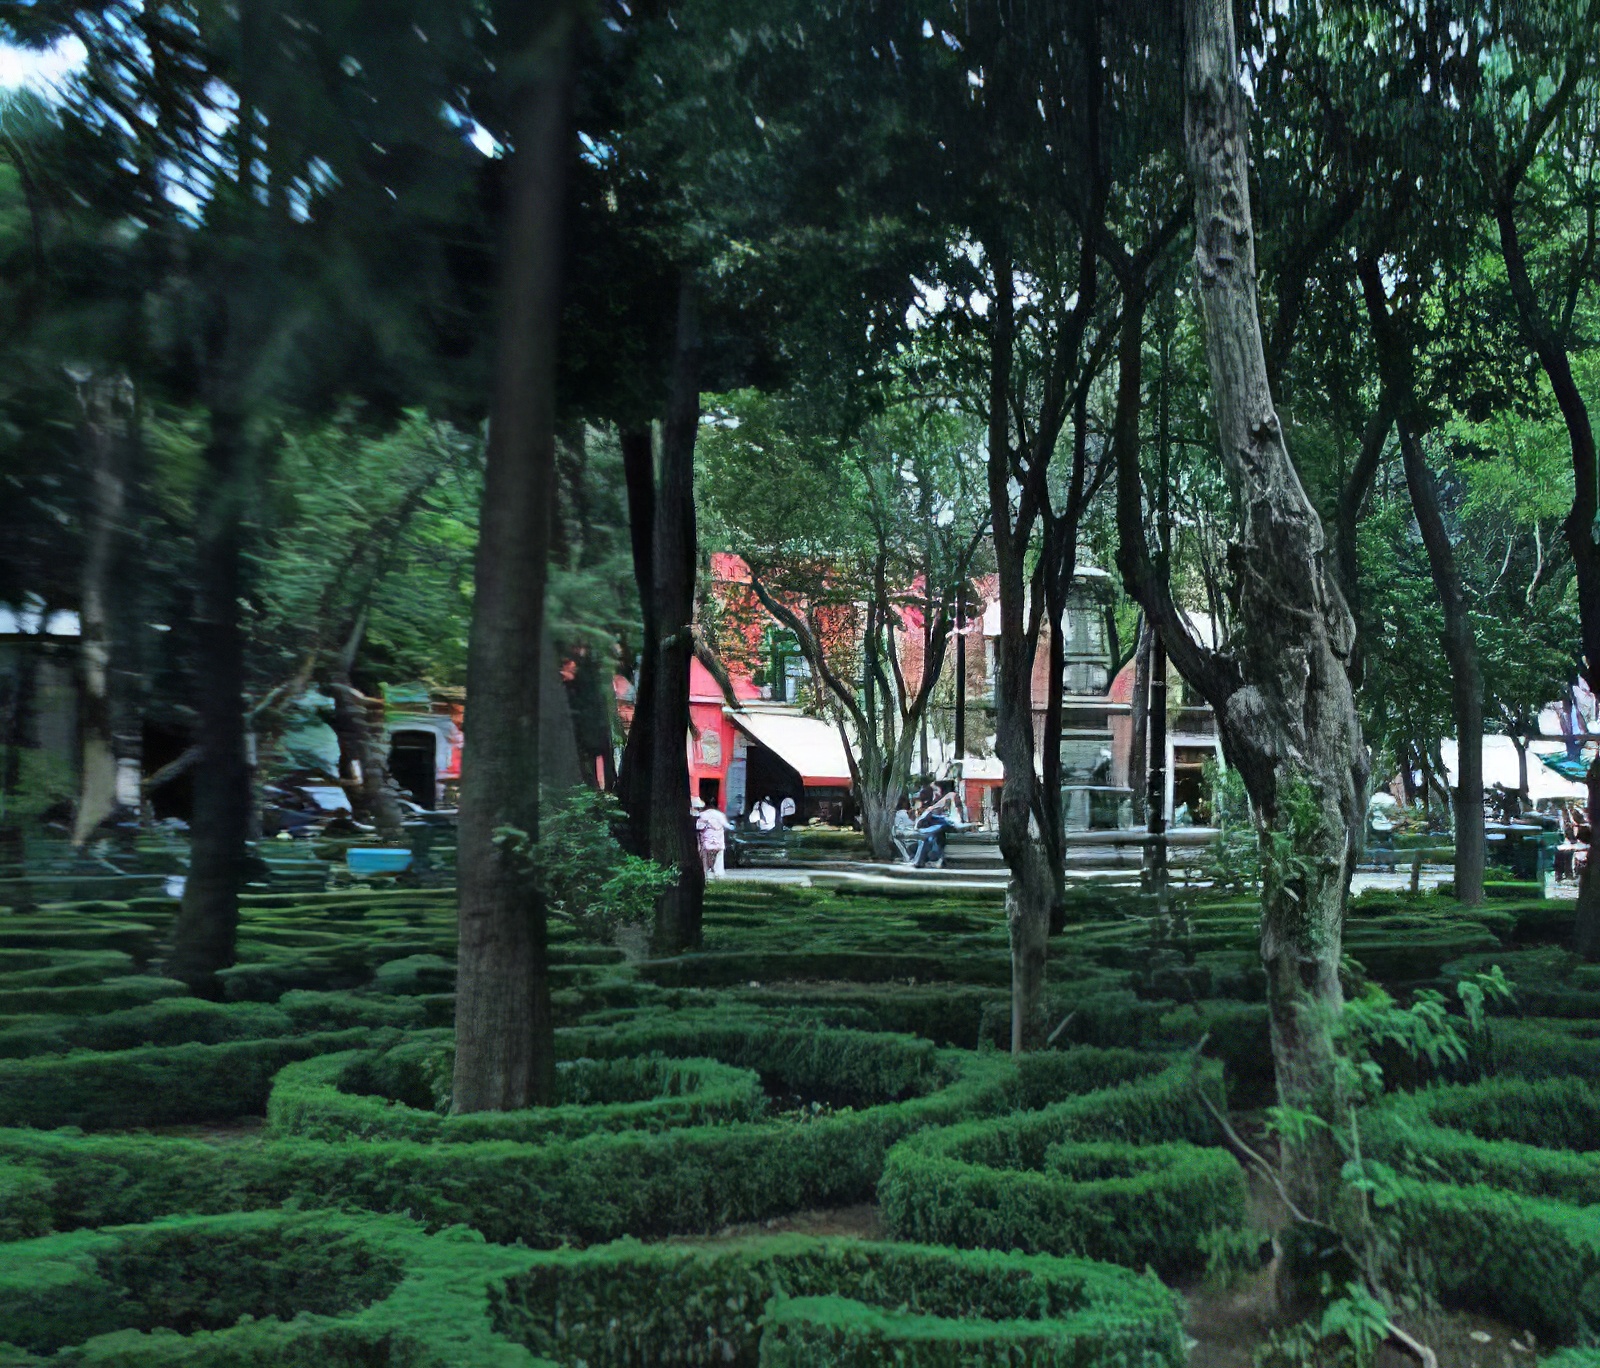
(1347, 1335)
(396, 1096)
(854, 1302)
(154, 1085)
(1233, 859)
(1115, 1173)
(228, 1292)
(582, 868)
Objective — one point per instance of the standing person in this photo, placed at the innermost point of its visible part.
(763, 816)
(711, 825)
(785, 811)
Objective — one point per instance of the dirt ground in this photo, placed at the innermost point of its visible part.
(1226, 1329)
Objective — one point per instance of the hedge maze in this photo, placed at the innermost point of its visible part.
(275, 1178)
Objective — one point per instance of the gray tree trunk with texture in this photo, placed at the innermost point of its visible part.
(107, 436)
(1466, 678)
(1287, 713)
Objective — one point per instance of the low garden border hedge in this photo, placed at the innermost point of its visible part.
(155, 1086)
(373, 1095)
(1530, 1261)
(1113, 1174)
(1512, 1133)
(595, 1188)
(325, 1289)
(793, 1300)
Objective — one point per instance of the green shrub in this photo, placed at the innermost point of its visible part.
(108, 995)
(1542, 1047)
(841, 1067)
(154, 1086)
(629, 1303)
(1506, 1132)
(692, 1178)
(360, 1095)
(1110, 1174)
(1532, 1262)
(313, 1289)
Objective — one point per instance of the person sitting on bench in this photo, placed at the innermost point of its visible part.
(935, 824)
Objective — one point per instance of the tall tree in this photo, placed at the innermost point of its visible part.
(1282, 696)
(860, 543)
(505, 1056)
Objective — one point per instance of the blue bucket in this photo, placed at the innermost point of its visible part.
(369, 861)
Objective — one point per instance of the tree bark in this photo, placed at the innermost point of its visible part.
(638, 754)
(1282, 695)
(505, 1055)
(107, 435)
(1579, 526)
(206, 929)
(1139, 720)
(1155, 795)
(1031, 887)
(1466, 683)
(674, 555)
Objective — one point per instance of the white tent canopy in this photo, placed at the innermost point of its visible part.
(812, 747)
(1500, 767)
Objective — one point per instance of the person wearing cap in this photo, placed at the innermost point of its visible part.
(710, 825)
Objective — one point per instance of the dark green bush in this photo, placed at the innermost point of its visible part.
(629, 1303)
(154, 1086)
(692, 1178)
(841, 1067)
(367, 1096)
(1506, 1132)
(1110, 1174)
(322, 1289)
(1532, 1262)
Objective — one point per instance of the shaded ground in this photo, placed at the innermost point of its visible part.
(852, 1222)
(1227, 1328)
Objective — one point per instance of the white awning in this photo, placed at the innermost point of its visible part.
(812, 747)
(1500, 767)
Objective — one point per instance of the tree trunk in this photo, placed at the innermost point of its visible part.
(1520, 741)
(361, 741)
(1155, 793)
(1030, 891)
(638, 754)
(1461, 650)
(1139, 720)
(505, 1054)
(1288, 716)
(879, 802)
(204, 934)
(593, 710)
(1579, 525)
(107, 420)
(672, 834)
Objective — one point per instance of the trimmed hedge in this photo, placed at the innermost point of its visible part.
(693, 1178)
(323, 1289)
(845, 1067)
(1529, 1261)
(1506, 1132)
(155, 1086)
(363, 1095)
(1112, 1174)
(629, 1303)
